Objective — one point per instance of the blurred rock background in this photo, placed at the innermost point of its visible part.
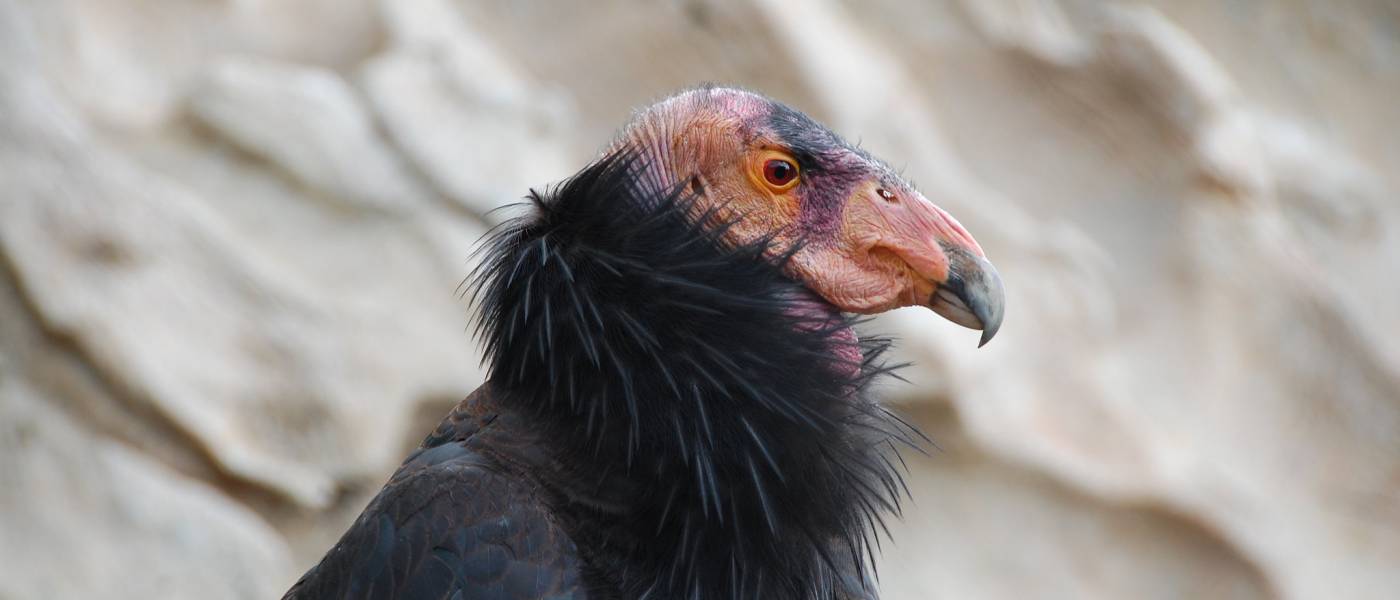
(230, 232)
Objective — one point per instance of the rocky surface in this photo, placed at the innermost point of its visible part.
(230, 234)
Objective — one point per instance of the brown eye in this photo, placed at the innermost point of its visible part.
(779, 172)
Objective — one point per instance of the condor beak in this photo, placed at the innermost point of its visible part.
(963, 286)
(972, 295)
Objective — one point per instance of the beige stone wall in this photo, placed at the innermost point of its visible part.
(230, 232)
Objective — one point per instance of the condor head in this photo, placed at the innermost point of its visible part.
(866, 240)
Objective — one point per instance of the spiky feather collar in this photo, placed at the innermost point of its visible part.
(706, 439)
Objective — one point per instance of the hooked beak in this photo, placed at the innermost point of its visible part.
(966, 289)
(972, 294)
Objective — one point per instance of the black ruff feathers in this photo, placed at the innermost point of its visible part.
(709, 442)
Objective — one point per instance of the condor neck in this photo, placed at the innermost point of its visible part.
(684, 382)
(623, 305)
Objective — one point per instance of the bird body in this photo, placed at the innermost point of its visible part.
(677, 403)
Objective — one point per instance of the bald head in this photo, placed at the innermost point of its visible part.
(868, 241)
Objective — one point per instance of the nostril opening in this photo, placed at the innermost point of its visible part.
(887, 195)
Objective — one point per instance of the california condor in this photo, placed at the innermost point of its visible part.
(676, 404)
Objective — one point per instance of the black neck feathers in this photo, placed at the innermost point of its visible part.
(707, 437)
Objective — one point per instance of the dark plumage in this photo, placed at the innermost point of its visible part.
(669, 414)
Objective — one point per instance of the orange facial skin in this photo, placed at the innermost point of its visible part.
(869, 242)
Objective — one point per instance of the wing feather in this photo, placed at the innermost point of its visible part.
(449, 524)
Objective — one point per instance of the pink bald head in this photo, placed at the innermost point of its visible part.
(867, 240)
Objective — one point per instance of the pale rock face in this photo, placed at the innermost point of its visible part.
(309, 121)
(230, 234)
(165, 265)
(84, 517)
(480, 132)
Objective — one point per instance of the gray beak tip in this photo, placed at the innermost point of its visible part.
(988, 302)
(972, 296)
(987, 335)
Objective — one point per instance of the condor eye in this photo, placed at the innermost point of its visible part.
(779, 173)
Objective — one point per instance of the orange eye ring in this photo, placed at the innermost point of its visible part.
(779, 171)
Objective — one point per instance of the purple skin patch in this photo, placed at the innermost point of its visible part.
(824, 200)
(816, 313)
